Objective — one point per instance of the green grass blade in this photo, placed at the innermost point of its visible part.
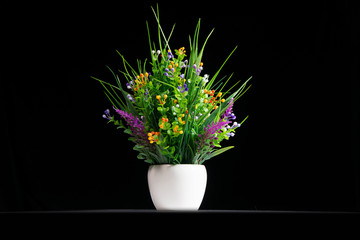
(101, 81)
(217, 73)
(220, 151)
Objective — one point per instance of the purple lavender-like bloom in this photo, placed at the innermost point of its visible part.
(166, 74)
(228, 111)
(136, 126)
(210, 130)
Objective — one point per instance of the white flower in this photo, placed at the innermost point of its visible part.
(206, 78)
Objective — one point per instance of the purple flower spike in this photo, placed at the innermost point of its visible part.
(137, 127)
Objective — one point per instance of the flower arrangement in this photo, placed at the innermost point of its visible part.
(172, 113)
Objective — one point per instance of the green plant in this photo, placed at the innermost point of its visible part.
(172, 113)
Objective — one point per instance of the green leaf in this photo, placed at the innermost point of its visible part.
(128, 131)
(220, 151)
(149, 161)
(141, 156)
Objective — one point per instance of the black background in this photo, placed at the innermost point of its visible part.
(299, 149)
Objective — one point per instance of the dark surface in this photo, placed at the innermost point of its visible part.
(148, 211)
(167, 224)
(299, 149)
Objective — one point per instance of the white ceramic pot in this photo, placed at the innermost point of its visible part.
(177, 187)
